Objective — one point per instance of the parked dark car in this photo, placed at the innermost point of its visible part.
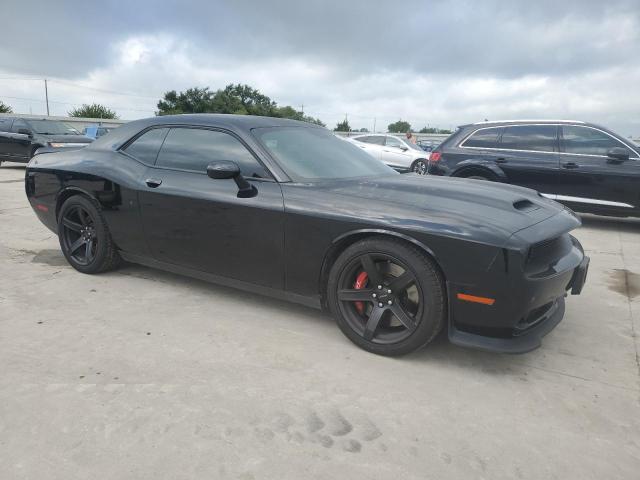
(284, 208)
(95, 131)
(585, 166)
(21, 137)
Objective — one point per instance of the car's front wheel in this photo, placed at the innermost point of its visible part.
(387, 296)
(420, 167)
(84, 236)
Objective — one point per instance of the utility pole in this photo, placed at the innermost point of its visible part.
(302, 109)
(374, 124)
(46, 95)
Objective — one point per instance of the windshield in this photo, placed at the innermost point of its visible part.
(52, 127)
(309, 153)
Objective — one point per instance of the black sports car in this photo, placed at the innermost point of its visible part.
(284, 208)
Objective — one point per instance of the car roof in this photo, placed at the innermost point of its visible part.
(517, 121)
(243, 122)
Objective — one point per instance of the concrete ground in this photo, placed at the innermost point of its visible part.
(140, 374)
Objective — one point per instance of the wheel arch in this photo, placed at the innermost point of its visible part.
(68, 192)
(345, 240)
(469, 167)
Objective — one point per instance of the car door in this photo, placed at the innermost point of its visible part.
(197, 222)
(15, 145)
(372, 144)
(590, 178)
(528, 155)
(395, 153)
(5, 137)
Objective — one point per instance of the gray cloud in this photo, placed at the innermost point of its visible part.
(431, 62)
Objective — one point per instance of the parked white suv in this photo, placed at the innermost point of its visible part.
(396, 152)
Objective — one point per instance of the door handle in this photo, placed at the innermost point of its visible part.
(570, 165)
(153, 182)
(501, 160)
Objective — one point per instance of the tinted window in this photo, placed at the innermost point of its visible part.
(194, 149)
(5, 124)
(307, 153)
(485, 138)
(145, 148)
(375, 140)
(393, 142)
(540, 138)
(588, 141)
(18, 124)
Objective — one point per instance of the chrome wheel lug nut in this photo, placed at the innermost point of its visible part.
(374, 295)
(388, 291)
(390, 302)
(379, 287)
(380, 304)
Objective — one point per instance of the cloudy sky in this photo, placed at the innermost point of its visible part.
(436, 63)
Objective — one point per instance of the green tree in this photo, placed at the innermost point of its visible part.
(399, 127)
(234, 98)
(434, 130)
(4, 108)
(343, 126)
(194, 100)
(94, 110)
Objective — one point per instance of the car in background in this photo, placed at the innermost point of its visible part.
(96, 131)
(427, 145)
(585, 166)
(399, 154)
(21, 137)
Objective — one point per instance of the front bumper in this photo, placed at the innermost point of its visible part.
(537, 306)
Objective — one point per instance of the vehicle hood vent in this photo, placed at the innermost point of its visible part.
(525, 205)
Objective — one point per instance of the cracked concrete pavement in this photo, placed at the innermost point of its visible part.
(144, 374)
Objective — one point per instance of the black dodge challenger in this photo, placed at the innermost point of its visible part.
(285, 208)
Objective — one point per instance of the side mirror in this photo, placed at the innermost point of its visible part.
(230, 170)
(24, 131)
(618, 155)
(403, 148)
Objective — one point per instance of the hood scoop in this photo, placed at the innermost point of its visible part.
(525, 205)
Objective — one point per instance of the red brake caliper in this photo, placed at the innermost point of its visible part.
(361, 281)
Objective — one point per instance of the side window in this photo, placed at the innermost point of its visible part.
(483, 138)
(588, 141)
(363, 139)
(376, 140)
(18, 124)
(5, 124)
(393, 142)
(539, 138)
(146, 147)
(194, 149)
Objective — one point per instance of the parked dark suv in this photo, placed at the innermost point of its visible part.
(21, 137)
(585, 166)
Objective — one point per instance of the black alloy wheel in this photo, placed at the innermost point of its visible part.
(84, 236)
(387, 296)
(79, 235)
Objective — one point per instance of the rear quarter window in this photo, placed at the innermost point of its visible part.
(483, 138)
(146, 147)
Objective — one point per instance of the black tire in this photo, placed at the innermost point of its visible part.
(422, 303)
(84, 236)
(420, 166)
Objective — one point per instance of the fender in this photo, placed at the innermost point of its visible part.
(66, 192)
(351, 237)
(481, 164)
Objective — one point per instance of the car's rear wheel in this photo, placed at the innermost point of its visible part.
(420, 167)
(387, 296)
(84, 237)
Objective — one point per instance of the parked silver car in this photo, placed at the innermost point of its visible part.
(396, 152)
